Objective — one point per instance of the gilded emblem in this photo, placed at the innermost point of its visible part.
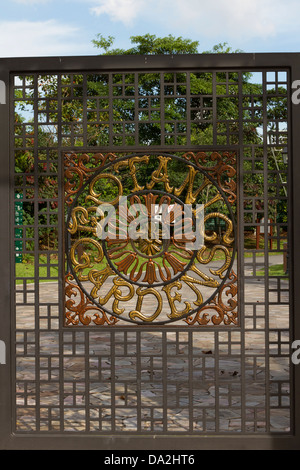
(150, 239)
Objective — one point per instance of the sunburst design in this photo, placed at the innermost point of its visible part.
(150, 247)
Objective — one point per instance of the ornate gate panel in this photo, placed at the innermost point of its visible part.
(151, 253)
(140, 265)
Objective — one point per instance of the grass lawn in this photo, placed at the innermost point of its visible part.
(26, 269)
(250, 243)
(275, 270)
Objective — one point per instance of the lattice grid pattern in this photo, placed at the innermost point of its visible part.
(185, 379)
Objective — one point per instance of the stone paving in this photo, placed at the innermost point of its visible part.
(136, 400)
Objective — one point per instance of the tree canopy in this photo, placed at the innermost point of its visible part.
(148, 44)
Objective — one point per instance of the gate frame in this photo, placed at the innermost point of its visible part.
(261, 61)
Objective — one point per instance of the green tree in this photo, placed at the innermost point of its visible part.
(175, 106)
(227, 107)
(148, 44)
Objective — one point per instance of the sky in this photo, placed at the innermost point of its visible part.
(31, 28)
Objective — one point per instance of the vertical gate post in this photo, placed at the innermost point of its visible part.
(294, 252)
(5, 272)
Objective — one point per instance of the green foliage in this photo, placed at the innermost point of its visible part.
(123, 114)
(175, 106)
(222, 48)
(274, 270)
(149, 44)
(282, 216)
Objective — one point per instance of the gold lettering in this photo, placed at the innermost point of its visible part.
(161, 175)
(98, 278)
(137, 313)
(217, 272)
(229, 228)
(192, 282)
(189, 183)
(132, 169)
(177, 297)
(93, 196)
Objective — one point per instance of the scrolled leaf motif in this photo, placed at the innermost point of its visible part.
(77, 170)
(223, 312)
(224, 167)
(83, 311)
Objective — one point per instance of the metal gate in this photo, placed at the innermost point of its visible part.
(149, 258)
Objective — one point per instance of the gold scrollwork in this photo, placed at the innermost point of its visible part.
(218, 311)
(84, 311)
(77, 170)
(81, 220)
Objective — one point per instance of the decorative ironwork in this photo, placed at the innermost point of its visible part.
(196, 377)
(218, 310)
(223, 171)
(77, 170)
(84, 309)
(139, 265)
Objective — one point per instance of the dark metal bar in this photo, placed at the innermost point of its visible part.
(266, 251)
(162, 108)
(138, 381)
(188, 109)
(164, 380)
(294, 236)
(128, 63)
(36, 254)
(191, 380)
(113, 380)
(7, 197)
(240, 251)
